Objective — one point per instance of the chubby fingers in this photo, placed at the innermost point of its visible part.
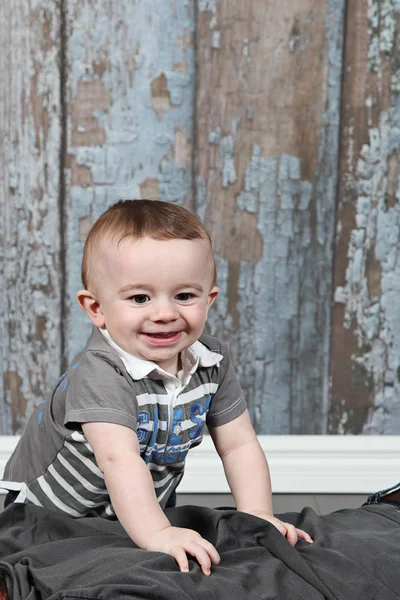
(205, 553)
(211, 551)
(201, 549)
(303, 535)
(178, 541)
(281, 527)
(182, 560)
(293, 534)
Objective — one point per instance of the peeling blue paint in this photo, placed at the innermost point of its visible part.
(281, 343)
(214, 137)
(216, 40)
(207, 6)
(178, 83)
(376, 318)
(173, 186)
(228, 161)
(135, 43)
(30, 293)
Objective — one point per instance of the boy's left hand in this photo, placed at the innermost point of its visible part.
(287, 529)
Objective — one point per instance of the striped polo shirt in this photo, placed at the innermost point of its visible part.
(53, 464)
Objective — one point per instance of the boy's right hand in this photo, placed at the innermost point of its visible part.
(131, 490)
(178, 541)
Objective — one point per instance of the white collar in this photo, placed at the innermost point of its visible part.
(139, 368)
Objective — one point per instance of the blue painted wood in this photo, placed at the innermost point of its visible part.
(30, 286)
(260, 115)
(130, 83)
(366, 317)
(268, 129)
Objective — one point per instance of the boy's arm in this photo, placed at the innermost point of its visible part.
(247, 472)
(132, 494)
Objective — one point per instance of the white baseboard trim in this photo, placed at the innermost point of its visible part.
(299, 464)
(307, 465)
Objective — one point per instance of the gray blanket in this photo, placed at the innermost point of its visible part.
(356, 555)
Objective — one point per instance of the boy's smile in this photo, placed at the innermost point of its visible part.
(163, 338)
(152, 296)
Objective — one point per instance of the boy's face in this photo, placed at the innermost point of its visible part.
(152, 296)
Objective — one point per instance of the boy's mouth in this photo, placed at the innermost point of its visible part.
(163, 337)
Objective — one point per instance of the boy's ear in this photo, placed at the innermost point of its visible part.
(213, 293)
(89, 303)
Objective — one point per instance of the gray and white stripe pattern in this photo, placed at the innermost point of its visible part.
(74, 484)
(54, 466)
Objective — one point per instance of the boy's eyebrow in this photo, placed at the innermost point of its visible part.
(144, 286)
(130, 286)
(195, 286)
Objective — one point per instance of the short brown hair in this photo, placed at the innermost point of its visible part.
(140, 218)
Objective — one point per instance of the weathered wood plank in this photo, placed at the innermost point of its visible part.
(130, 88)
(29, 219)
(267, 121)
(365, 367)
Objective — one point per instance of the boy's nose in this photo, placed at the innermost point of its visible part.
(164, 311)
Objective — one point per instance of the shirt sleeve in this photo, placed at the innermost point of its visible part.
(100, 391)
(228, 402)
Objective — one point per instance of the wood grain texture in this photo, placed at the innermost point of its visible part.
(130, 81)
(267, 120)
(365, 366)
(29, 219)
(249, 139)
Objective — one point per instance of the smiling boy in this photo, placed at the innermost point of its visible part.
(112, 440)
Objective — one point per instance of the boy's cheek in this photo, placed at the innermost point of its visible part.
(200, 315)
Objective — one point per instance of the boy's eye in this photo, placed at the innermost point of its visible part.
(184, 296)
(140, 298)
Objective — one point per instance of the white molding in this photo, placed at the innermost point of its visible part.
(307, 465)
(299, 464)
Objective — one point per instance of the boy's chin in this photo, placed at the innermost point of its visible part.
(165, 360)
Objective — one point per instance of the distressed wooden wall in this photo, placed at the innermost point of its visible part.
(365, 359)
(30, 274)
(268, 129)
(129, 117)
(277, 122)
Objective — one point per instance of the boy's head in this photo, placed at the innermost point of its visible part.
(136, 219)
(149, 274)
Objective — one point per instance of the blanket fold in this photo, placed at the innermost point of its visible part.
(48, 556)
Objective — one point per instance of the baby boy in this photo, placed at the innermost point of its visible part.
(113, 438)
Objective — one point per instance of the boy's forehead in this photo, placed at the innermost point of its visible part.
(115, 247)
(132, 252)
